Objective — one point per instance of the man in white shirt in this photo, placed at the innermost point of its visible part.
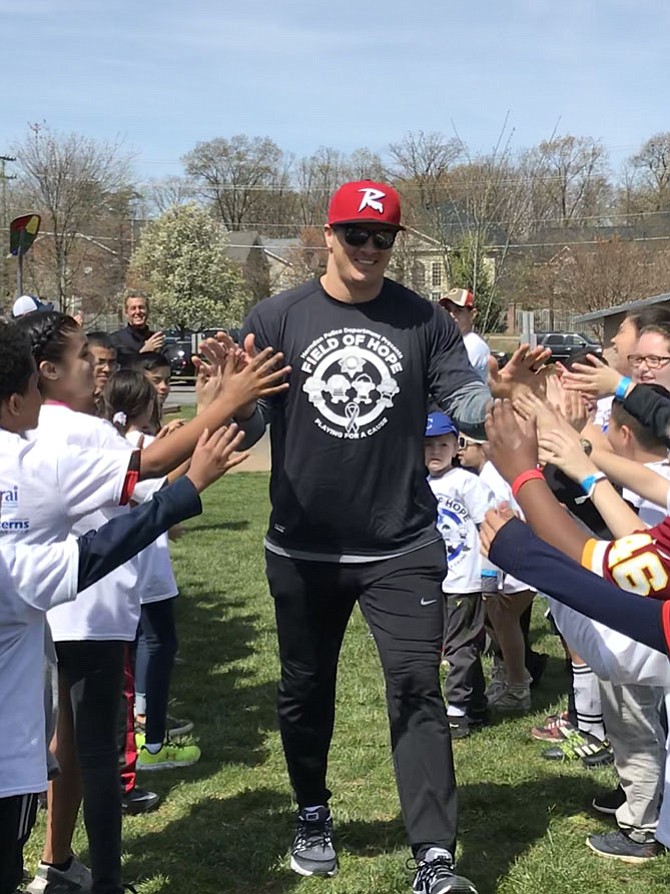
(460, 305)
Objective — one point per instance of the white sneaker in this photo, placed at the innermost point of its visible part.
(49, 880)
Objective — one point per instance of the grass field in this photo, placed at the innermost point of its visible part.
(225, 824)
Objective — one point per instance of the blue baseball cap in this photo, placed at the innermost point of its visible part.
(439, 424)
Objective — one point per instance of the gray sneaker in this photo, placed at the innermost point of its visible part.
(49, 880)
(312, 851)
(511, 698)
(436, 874)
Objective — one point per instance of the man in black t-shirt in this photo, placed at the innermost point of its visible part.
(353, 518)
(135, 338)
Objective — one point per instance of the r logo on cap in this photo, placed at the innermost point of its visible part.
(371, 199)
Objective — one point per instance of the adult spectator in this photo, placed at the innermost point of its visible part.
(460, 305)
(353, 518)
(136, 337)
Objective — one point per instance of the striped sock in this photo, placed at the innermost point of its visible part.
(587, 700)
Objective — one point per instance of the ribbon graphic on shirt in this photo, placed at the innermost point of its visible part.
(352, 411)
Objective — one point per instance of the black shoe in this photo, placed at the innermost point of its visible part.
(536, 666)
(137, 800)
(619, 846)
(609, 802)
(312, 851)
(436, 874)
(462, 727)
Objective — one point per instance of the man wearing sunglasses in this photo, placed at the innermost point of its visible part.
(353, 518)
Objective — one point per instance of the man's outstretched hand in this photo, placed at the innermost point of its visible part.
(519, 373)
(494, 520)
(512, 448)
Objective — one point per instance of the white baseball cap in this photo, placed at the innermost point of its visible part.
(26, 304)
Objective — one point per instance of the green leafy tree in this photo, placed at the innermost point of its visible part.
(181, 263)
(472, 267)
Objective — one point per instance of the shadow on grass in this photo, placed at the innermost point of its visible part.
(221, 846)
(239, 844)
(514, 816)
(218, 688)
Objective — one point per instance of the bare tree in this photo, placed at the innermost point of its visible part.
(74, 182)
(652, 164)
(570, 179)
(160, 195)
(244, 178)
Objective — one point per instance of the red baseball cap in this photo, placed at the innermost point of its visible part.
(459, 297)
(364, 201)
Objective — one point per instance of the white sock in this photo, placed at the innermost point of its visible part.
(587, 700)
(153, 747)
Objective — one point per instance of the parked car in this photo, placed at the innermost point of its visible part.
(565, 345)
(179, 353)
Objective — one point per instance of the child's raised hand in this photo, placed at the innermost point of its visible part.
(262, 376)
(596, 379)
(214, 455)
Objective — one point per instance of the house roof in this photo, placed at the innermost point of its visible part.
(622, 308)
(240, 245)
(280, 248)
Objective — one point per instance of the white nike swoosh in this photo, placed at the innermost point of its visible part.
(429, 602)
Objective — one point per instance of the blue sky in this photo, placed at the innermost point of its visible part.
(162, 76)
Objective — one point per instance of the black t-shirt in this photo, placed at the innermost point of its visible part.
(348, 474)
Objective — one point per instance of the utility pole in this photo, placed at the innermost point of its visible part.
(4, 224)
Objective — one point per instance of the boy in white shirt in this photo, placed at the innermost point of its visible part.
(462, 501)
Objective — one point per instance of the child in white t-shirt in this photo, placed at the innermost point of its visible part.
(130, 400)
(510, 688)
(462, 501)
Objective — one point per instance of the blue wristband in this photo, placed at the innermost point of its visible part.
(622, 387)
(589, 483)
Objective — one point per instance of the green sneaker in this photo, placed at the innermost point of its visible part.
(580, 746)
(169, 757)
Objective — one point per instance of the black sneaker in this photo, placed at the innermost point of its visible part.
(462, 726)
(138, 800)
(436, 874)
(459, 727)
(536, 666)
(601, 756)
(619, 846)
(312, 852)
(609, 802)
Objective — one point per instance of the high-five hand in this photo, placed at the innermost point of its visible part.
(214, 455)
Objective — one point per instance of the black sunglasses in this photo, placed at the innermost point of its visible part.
(357, 236)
